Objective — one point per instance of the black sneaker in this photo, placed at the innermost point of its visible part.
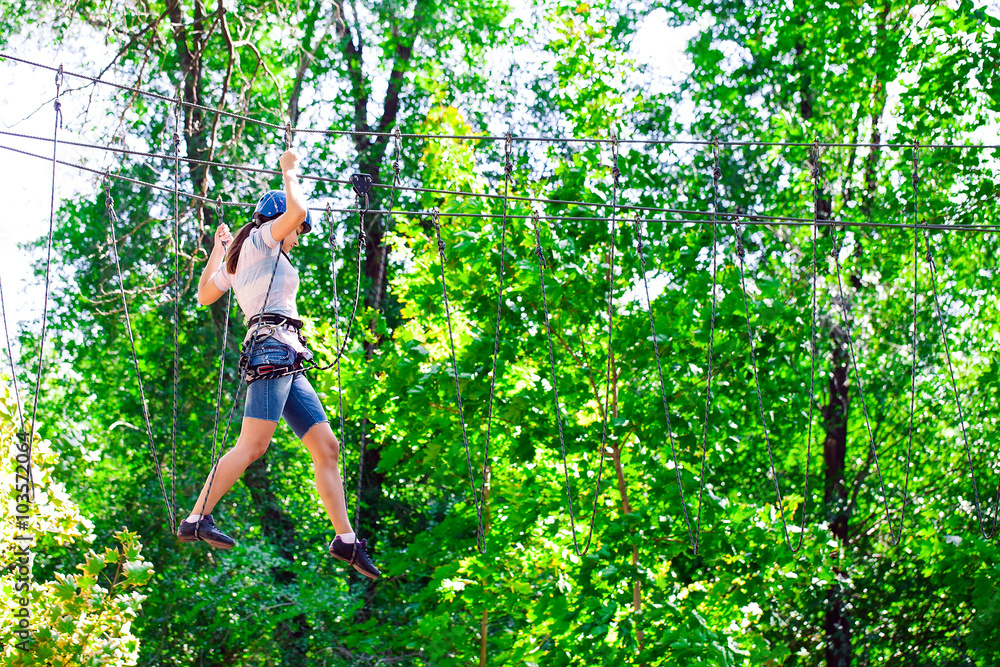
(205, 531)
(355, 555)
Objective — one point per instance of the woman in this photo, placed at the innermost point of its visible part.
(273, 346)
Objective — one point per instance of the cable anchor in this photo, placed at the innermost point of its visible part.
(362, 184)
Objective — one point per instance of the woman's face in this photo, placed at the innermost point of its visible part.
(292, 239)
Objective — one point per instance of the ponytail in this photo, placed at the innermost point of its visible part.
(233, 257)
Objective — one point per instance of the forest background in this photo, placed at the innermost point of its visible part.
(881, 390)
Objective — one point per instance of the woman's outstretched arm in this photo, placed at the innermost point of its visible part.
(295, 211)
(208, 292)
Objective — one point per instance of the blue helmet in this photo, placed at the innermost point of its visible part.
(273, 204)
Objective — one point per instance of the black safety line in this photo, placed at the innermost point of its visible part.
(177, 313)
(693, 535)
(29, 437)
(987, 535)
(857, 376)
(479, 503)
(13, 370)
(239, 388)
(109, 203)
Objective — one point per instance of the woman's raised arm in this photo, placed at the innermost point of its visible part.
(295, 209)
(208, 292)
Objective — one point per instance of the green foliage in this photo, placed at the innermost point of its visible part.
(71, 620)
(855, 73)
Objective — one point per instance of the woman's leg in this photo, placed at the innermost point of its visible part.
(325, 450)
(255, 436)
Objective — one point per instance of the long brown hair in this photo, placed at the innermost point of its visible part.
(233, 258)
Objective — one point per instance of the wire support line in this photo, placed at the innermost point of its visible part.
(639, 246)
(744, 217)
(480, 502)
(728, 218)
(332, 240)
(57, 124)
(177, 310)
(958, 402)
(508, 172)
(540, 255)
(109, 202)
(287, 130)
(10, 360)
(857, 376)
(895, 539)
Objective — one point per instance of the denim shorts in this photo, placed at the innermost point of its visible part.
(291, 396)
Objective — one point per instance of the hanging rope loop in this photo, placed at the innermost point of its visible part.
(615, 171)
(328, 217)
(57, 103)
(436, 221)
(535, 224)
(508, 164)
(397, 141)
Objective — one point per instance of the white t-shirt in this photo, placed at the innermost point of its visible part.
(253, 274)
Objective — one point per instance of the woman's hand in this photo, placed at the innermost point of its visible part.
(288, 161)
(222, 237)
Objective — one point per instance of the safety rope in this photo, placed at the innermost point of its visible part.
(177, 312)
(895, 539)
(376, 305)
(857, 374)
(748, 219)
(480, 532)
(540, 255)
(109, 203)
(958, 399)
(741, 262)
(716, 176)
(332, 240)
(29, 436)
(10, 360)
(639, 246)
(362, 244)
(508, 171)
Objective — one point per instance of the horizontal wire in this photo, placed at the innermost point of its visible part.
(745, 219)
(457, 137)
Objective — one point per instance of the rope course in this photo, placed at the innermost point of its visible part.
(608, 212)
(177, 308)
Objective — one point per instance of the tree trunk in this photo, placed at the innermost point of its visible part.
(836, 625)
